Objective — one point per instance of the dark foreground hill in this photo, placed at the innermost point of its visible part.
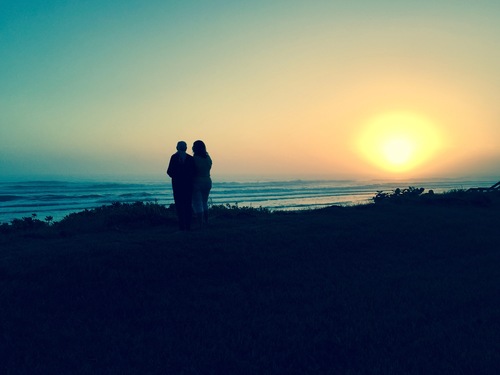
(377, 289)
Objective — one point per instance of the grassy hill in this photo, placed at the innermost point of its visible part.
(404, 286)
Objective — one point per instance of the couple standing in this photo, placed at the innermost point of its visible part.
(191, 183)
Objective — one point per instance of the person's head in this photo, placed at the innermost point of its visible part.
(199, 149)
(182, 146)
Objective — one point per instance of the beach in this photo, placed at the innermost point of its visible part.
(371, 289)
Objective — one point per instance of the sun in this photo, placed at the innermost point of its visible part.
(398, 141)
(398, 150)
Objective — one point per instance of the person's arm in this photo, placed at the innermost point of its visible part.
(171, 170)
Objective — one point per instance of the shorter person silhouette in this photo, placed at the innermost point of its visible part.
(181, 169)
(202, 182)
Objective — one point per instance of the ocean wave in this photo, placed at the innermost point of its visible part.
(40, 204)
(128, 195)
(8, 198)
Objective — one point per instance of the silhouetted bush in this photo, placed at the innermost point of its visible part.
(117, 215)
(229, 210)
(452, 197)
(24, 224)
(464, 198)
(398, 195)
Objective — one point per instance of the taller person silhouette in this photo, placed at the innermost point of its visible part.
(181, 169)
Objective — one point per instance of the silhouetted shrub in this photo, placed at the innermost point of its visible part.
(464, 198)
(5, 228)
(452, 197)
(229, 210)
(117, 215)
(28, 223)
(398, 195)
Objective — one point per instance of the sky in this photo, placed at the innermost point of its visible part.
(281, 89)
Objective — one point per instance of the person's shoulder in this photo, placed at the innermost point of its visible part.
(190, 160)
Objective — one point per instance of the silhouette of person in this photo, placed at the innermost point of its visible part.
(202, 182)
(181, 169)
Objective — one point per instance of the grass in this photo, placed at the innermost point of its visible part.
(398, 287)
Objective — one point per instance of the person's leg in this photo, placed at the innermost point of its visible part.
(198, 206)
(178, 207)
(204, 196)
(188, 209)
(187, 216)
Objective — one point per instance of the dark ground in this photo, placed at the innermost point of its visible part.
(390, 289)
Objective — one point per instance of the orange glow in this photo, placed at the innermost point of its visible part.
(398, 141)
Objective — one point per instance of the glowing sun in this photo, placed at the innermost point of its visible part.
(398, 141)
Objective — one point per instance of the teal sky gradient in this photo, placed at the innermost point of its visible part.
(273, 87)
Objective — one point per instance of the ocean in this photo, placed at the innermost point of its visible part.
(58, 198)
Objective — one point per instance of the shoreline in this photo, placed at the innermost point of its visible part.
(63, 198)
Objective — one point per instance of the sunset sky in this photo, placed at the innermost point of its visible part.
(292, 89)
